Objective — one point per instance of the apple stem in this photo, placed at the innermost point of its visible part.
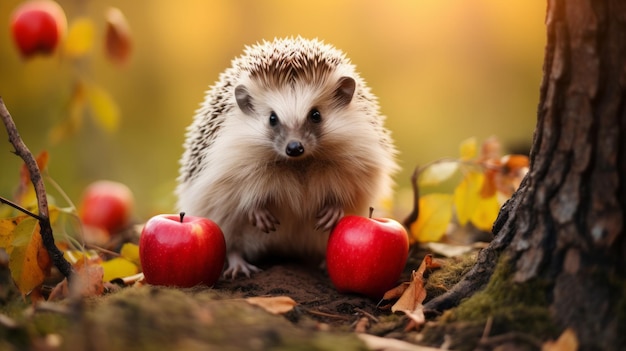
(182, 214)
(371, 211)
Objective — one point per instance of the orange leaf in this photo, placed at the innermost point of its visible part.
(490, 149)
(273, 305)
(86, 281)
(118, 37)
(29, 261)
(396, 292)
(410, 303)
(489, 185)
(513, 170)
(415, 293)
(566, 342)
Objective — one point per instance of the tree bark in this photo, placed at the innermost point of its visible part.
(565, 224)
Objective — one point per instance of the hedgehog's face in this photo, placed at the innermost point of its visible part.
(295, 117)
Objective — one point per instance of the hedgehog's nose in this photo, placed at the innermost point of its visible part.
(294, 149)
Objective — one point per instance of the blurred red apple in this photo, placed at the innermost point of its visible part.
(37, 27)
(182, 251)
(366, 255)
(107, 205)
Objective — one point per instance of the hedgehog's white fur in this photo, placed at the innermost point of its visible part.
(235, 170)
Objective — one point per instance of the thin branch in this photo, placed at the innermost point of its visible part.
(42, 201)
(412, 217)
(20, 208)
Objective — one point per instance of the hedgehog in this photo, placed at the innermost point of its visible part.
(287, 141)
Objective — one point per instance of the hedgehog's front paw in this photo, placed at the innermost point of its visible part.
(263, 219)
(237, 264)
(328, 217)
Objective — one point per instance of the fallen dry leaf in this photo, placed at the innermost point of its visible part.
(361, 325)
(273, 304)
(566, 342)
(388, 344)
(448, 250)
(396, 292)
(86, 281)
(415, 293)
(410, 303)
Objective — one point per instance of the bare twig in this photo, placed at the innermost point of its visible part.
(19, 208)
(412, 217)
(42, 202)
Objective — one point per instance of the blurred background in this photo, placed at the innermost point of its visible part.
(443, 71)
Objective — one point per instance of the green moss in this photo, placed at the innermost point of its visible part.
(520, 307)
(149, 318)
(441, 280)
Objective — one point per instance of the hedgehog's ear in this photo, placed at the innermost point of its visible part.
(344, 91)
(244, 100)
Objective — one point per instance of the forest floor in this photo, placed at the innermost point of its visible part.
(220, 318)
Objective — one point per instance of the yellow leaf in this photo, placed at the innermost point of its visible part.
(75, 111)
(438, 172)
(80, 37)
(28, 261)
(7, 226)
(467, 196)
(117, 268)
(486, 212)
(76, 256)
(434, 216)
(104, 108)
(130, 252)
(468, 148)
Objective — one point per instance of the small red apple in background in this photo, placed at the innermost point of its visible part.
(182, 251)
(38, 26)
(106, 204)
(366, 255)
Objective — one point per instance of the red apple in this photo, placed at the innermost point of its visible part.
(107, 205)
(38, 26)
(182, 251)
(366, 255)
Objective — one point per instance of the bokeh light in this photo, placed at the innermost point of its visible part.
(443, 71)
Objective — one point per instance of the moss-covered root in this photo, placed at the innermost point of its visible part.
(503, 307)
(151, 318)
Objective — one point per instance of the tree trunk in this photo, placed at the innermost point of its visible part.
(565, 225)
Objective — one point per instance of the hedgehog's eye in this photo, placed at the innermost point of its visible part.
(273, 119)
(315, 116)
